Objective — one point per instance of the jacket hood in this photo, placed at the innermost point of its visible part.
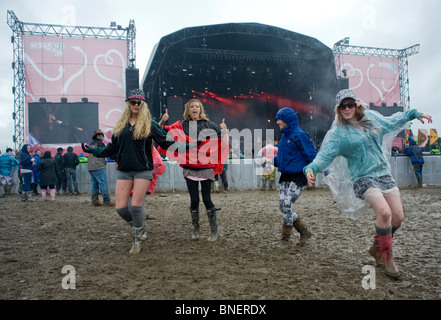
(288, 116)
(24, 148)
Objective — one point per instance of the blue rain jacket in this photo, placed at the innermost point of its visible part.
(296, 149)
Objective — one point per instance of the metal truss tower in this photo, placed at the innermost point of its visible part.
(343, 47)
(19, 29)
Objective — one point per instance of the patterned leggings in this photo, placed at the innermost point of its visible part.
(288, 194)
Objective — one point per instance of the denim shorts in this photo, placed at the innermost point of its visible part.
(132, 175)
(383, 183)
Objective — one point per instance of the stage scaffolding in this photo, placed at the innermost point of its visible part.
(20, 29)
(343, 47)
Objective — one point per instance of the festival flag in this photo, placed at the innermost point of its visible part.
(422, 137)
(408, 134)
(433, 136)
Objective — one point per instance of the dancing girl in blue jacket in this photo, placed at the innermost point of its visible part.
(296, 150)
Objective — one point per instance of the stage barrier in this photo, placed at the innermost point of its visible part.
(244, 174)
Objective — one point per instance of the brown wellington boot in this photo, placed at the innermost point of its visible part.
(301, 228)
(386, 252)
(286, 234)
(375, 251)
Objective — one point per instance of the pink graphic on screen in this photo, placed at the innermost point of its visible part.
(373, 79)
(76, 68)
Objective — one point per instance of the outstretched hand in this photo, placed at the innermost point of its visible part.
(425, 116)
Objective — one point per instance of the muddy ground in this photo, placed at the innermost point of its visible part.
(39, 239)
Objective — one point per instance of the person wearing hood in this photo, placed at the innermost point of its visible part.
(26, 164)
(97, 171)
(416, 157)
(295, 151)
(357, 135)
(48, 175)
(35, 172)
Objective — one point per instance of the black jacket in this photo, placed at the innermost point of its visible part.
(48, 171)
(70, 160)
(134, 155)
(58, 159)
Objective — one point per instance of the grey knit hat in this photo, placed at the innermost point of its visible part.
(344, 94)
(136, 94)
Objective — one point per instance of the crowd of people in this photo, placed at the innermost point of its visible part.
(356, 135)
(39, 174)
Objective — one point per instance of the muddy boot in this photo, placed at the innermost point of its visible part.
(8, 189)
(137, 233)
(271, 184)
(301, 228)
(30, 196)
(286, 234)
(95, 200)
(375, 251)
(420, 182)
(43, 194)
(24, 196)
(211, 213)
(263, 185)
(195, 223)
(388, 259)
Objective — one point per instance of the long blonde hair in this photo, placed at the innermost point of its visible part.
(142, 124)
(189, 104)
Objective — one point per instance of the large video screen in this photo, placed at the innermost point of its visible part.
(74, 69)
(65, 123)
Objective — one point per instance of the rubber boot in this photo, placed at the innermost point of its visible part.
(195, 223)
(301, 228)
(263, 184)
(43, 194)
(388, 259)
(95, 200)
(216, 186)
(52, 193)
(286, 234)
(24, 196)
(8, 189)
(271, 184)
(30, 195)
(375, 251)
(211, 213)
(420, 182)
(136, 246)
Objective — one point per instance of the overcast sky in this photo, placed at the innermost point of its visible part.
(377, 23)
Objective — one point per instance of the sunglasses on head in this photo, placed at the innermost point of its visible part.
(133, 102)
(349, 105)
